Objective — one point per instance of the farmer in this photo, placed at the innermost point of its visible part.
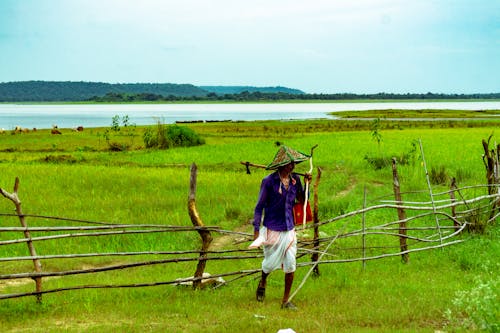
(278, 193)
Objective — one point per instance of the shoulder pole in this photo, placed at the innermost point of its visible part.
(260, 166)
(306, 191)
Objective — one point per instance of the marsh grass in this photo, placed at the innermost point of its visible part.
(74, 175)
(420, 114)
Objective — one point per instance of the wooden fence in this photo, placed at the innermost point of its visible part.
(419, 226)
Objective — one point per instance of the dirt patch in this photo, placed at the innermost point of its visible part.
(230, 239)
(14, 283)
(21, 282)
(348, 189)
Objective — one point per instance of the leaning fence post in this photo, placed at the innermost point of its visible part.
(401, 213)
(363, 226)
(430, 191)
(36, 262)
(492, 164)
(205, 235)
(315, 255)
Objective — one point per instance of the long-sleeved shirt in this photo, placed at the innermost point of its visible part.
(277, 204)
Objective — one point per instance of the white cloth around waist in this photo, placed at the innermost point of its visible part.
(280, 249)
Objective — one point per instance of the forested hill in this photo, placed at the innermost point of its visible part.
(81, 91)
(38, 91)
(223, 90)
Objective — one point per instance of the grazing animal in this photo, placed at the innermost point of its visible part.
(2, 130)
(55, 131)
(79, 128)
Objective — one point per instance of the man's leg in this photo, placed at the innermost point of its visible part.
(263, 280)
(288, 286)
(261, 289)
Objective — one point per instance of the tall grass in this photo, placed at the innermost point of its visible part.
(142, 186)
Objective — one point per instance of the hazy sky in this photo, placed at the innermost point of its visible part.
(318, 46)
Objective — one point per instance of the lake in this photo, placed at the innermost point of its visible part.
(100, 115)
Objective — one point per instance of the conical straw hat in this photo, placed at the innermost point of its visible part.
(286, 155)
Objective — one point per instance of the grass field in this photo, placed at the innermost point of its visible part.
(74, 175)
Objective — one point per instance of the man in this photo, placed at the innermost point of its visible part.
(278, 193)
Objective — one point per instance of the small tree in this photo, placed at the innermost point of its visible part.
(375, 128)
(115, 128)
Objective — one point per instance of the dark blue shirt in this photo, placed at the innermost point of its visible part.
(277, 204)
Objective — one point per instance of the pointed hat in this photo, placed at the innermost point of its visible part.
(287, 155)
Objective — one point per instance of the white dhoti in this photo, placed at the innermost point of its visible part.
(280, 249)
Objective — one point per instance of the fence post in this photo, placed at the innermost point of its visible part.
(36, 262)
(430, 191)
(492, 163)
(401, 213)
(315, 255)
(363, 226)
(453, 188)
(205, 235)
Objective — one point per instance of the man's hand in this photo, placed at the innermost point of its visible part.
(307, 177)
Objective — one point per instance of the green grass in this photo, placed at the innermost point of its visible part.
(74, 175)
(419, 114)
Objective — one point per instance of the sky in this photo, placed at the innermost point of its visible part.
(317, 46)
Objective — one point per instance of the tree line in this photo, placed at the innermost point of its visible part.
(246, 96)
(59, 91)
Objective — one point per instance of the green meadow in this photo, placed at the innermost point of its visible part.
(76, 176)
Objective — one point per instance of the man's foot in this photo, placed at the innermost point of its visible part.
(289, 306)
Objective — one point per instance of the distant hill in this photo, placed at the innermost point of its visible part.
(81, 91)
(49, 91)
(221, 90)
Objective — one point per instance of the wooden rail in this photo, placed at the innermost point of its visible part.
(417, 238)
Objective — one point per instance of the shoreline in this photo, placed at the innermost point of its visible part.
(102, 115)
(319, 101)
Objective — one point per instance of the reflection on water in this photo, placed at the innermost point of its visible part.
(98, 115)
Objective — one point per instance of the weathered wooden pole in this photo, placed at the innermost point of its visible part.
(363, 227)
(453, 188)
(38, 265)
(205, 235)
(489, 163)
(492, 164)
(401, 213)
(438, 226)
(315, 255)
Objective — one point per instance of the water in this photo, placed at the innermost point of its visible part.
(100, 115)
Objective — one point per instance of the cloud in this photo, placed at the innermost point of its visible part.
(337, 45)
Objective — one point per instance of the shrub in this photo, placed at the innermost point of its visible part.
(479, 219)
(463, 174)
(111, 134)
(150, 138)
(438, 175)
(476, 309)
(59, 159)
(381, 162)
(183, 136)
(165, 137)
(378, 162)
(117, 146)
